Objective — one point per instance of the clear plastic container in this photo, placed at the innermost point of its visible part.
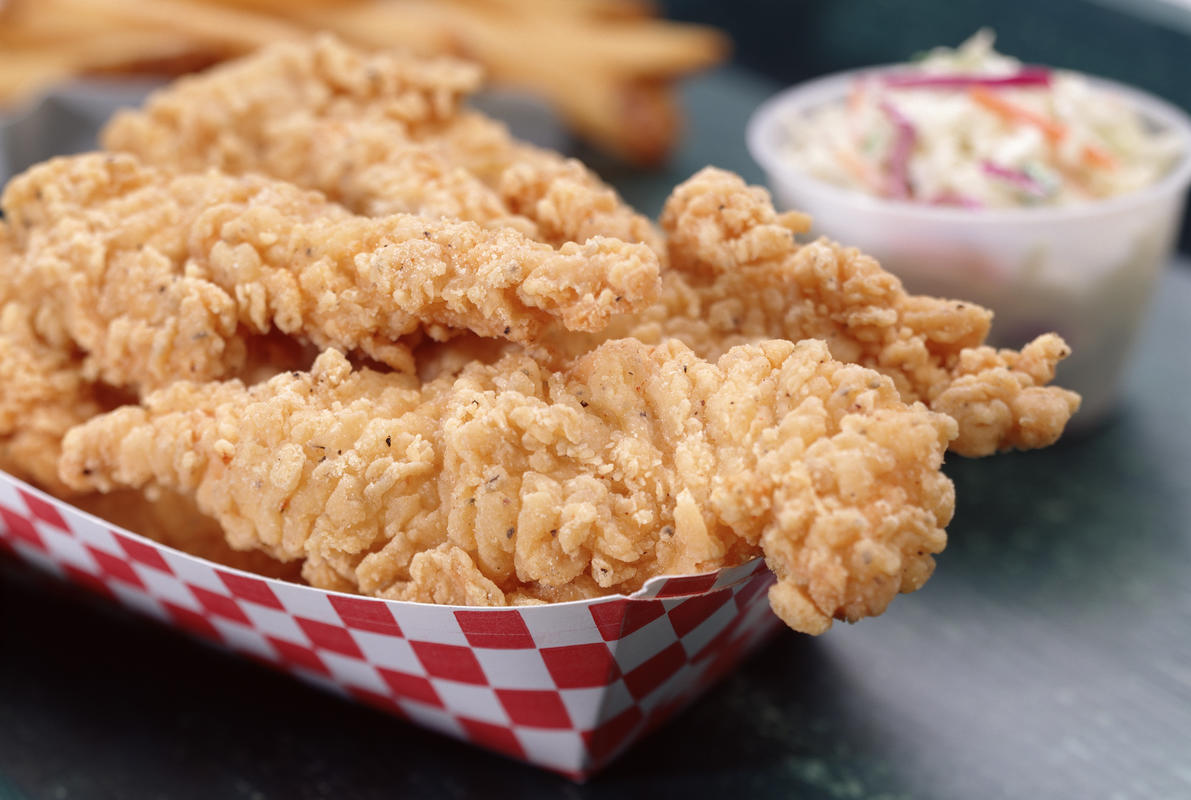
(1085, 271)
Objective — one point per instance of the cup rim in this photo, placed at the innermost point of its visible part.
(804, 96)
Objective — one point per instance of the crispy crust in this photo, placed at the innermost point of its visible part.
(509, 481)
(380, 133)
(160, 277)
(738, 275)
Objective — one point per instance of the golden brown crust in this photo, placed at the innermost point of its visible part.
(379, 133)
(737, 275)
(233, 116)
(159, 276)
(42, 391)
(43, 396)
(512, 481)
(1001, 400)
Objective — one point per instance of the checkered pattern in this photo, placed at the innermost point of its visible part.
(566, 686)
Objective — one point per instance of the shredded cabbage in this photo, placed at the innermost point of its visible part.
(973, 128)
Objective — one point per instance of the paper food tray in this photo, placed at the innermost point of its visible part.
(566, 686)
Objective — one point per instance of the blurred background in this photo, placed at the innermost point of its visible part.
(1142, 42)
(611, 70)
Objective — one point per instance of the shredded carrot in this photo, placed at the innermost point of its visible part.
(859, 168)
(1098, 156)
(795, 221)
(1054, 130)
(856, 96)
(1075, 181)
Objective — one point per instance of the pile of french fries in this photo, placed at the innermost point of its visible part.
(607, 67)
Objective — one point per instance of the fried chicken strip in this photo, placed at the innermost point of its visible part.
(380, 133)
(566, 200)
(43, 396)
(523, 481)
(158, 276)
(737, 275)
(42, 391)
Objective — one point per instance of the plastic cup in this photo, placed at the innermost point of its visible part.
(1086, 272)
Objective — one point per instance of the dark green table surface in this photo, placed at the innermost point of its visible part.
(1050, 656)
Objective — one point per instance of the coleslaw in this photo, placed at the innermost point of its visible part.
(969, 127)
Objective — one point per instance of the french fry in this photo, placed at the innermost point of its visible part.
(587, 9)
(235, 29)
(23, 73)
(606, 66)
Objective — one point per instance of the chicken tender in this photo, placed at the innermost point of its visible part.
(381, 134)
(523, 481)
(158, 276)
(565, 199)
(42, 391)
(43, 396)
(737, 275)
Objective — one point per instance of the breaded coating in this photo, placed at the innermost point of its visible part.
(566, 200)
(42, 391)
(323, 116)
(159, 276)
(43, 395)
(380, 133)
(522, 482)
(234, 116)
(737, 275)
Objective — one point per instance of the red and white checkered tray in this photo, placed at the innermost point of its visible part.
(566, 687)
